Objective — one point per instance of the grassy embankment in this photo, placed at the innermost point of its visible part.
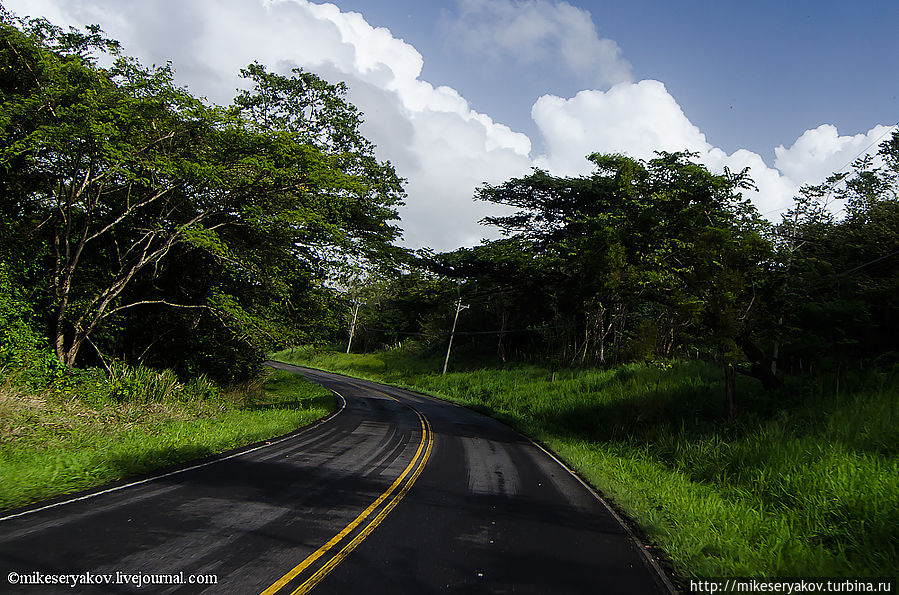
(91, 428)
(805, 483)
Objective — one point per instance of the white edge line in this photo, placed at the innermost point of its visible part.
(176, 472)
(652, 561)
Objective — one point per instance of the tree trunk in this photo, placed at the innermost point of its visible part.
(775, 349)
(730, 390)
(839, 364)
(604, 330)
(618, 334)
(72, 352)
(586, 338)
(500, 348)
(59, 342)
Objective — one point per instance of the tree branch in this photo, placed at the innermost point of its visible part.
(129, 209)
(164, 302)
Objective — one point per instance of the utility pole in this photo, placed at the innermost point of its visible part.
(353, 325)
(459, 308)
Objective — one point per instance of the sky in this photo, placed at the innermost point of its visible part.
(457, 93)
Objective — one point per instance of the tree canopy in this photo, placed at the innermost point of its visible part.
(137, 201)
(656, 259)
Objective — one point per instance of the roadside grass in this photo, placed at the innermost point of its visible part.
(92, 428)
(804, 483)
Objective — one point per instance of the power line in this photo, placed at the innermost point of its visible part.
(396, 332)
(866, 149)
(848, 272)
(503, 332)
(495, 292)
(499, 332)
(853, 160)
(889, 130)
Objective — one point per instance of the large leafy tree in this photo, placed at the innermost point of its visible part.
(511, 290)
(141, 197)
(357, 193)
(662, 250)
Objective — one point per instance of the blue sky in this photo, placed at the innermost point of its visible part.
(750, 74)
(459, 92)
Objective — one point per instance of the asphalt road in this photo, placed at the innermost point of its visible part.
(396, 493)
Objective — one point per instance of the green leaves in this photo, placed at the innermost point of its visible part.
(664, 239)
(837, 275)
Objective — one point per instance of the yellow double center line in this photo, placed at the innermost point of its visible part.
(392, 495)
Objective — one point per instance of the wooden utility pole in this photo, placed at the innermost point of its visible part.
(353, 326)
(459, 308)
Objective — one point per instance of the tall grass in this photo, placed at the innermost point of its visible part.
(90, 428)
(804, 483)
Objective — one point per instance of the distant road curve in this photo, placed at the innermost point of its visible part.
(397, 493)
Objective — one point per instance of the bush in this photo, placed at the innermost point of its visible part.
(22, 349)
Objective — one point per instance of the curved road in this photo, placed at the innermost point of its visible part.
(395, 493)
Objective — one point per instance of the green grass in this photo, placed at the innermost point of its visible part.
(805, 483)
(90, 429)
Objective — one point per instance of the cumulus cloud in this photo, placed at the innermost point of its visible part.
(539, 33)
(640, 118)
(633, 118)
(819, 152)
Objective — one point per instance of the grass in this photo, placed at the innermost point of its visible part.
(804, 483)
(91, 428)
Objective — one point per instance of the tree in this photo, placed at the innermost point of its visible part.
(148, 198)
(837, 303)
(510, 289)
(357, 193)
(663, 245)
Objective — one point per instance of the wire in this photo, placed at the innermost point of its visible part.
(517, 330)
(866, 149)
(851, 161)
(394, 331)
(776, 210)
(833, 185)
(854, 269)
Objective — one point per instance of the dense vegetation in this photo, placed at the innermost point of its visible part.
(649, 261)
(141, 224)
(153, 247)
(805, 484)
(730, 384)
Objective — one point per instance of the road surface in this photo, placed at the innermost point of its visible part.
(396, 493)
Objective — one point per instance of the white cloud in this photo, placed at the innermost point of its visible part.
(639, 118)
(539, 33)
(632, 118)
(775, 190)
(821, 151)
